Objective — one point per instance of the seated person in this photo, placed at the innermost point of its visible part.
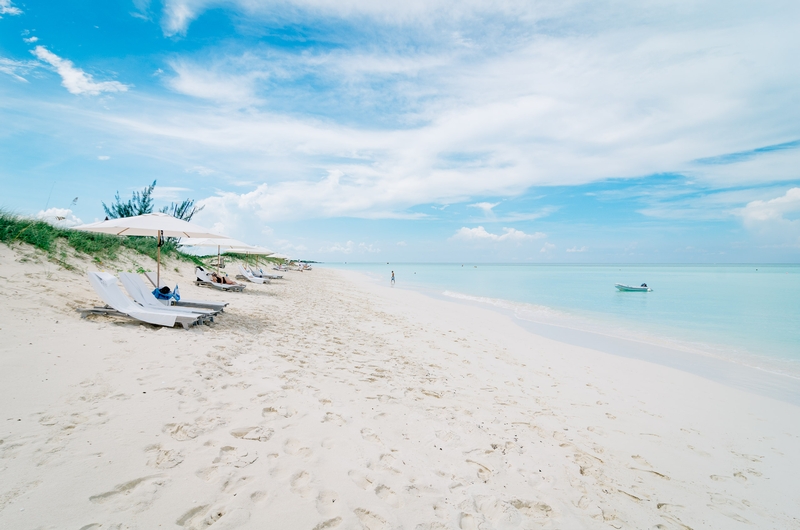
(216, 278)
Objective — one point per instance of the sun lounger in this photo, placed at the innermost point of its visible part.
(145, 298)
(247, 275)
(118, 304)
(261, 274)
(204, 280)
(216, 306)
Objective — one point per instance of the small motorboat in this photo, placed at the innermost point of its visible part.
(629, 288)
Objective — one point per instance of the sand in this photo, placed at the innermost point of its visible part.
(326, 401)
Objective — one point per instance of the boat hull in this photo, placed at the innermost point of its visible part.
(632, 289)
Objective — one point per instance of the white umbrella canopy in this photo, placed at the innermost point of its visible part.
(150, 224)
(224, 243)
(158, 225)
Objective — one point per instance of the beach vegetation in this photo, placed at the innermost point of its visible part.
(55, 241)
(141, 202)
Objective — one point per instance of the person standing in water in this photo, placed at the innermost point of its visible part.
(392, 277)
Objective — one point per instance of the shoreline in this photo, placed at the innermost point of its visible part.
(689, 357)
(323, 401)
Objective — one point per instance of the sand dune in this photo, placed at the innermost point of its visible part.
(324, 401)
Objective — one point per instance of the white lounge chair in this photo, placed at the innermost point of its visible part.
(204, 280)
(261, 274)
(145, 298)
(216, 306)
(118, 304)
(247, 275)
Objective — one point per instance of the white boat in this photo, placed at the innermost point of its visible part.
(630, 288)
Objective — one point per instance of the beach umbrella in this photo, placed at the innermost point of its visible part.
(256, 251)
(221, 243)
(158, 225)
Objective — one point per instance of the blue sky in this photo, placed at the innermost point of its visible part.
(354, 130)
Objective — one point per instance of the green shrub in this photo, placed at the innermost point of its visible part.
(101, 247)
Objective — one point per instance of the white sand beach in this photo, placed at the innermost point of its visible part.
(324, 401)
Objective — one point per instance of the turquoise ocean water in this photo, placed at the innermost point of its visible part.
(745, 314)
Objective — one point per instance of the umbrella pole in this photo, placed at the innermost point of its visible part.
(218, 261)
(158, 260)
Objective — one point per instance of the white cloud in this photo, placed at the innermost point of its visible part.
(75, 80)
(402, 244)
(31, 40)
(486, 207)
(15, 68)
(576, 249)
(215, 83)
(777, 218)
(178, 14)
(6, 8)
(371, 248)
(169, 193)
(535, 108)
(509, 234)
(200, 170)
(103, 157)
(347, 248)
(350, 247)
(547, 248)
(62, 217)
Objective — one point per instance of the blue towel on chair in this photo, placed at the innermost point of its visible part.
(169, 295)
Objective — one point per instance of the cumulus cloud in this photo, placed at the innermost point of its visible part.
(547, 248)
(31, 40)
(778, 218)
(472, 116)
(75, 80)
(509, 234)
(576, 249)
(6, 8)
(103, 157)
(62, 217)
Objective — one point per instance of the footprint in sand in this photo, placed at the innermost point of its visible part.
(330, 523)
(233, 485)
(161, 458)
(370, 520)
(232, 456)
(258, 496)
(385, 462)
(328, 503)
(293, 446)
(258, 434)
(143, 489)
(500, 513)
(332, 417)
(360, 479)
(386, 494)
(467, 522)
(301, 483)
(220, 517)
(370, 436)
(532, 509)
(484, 472)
